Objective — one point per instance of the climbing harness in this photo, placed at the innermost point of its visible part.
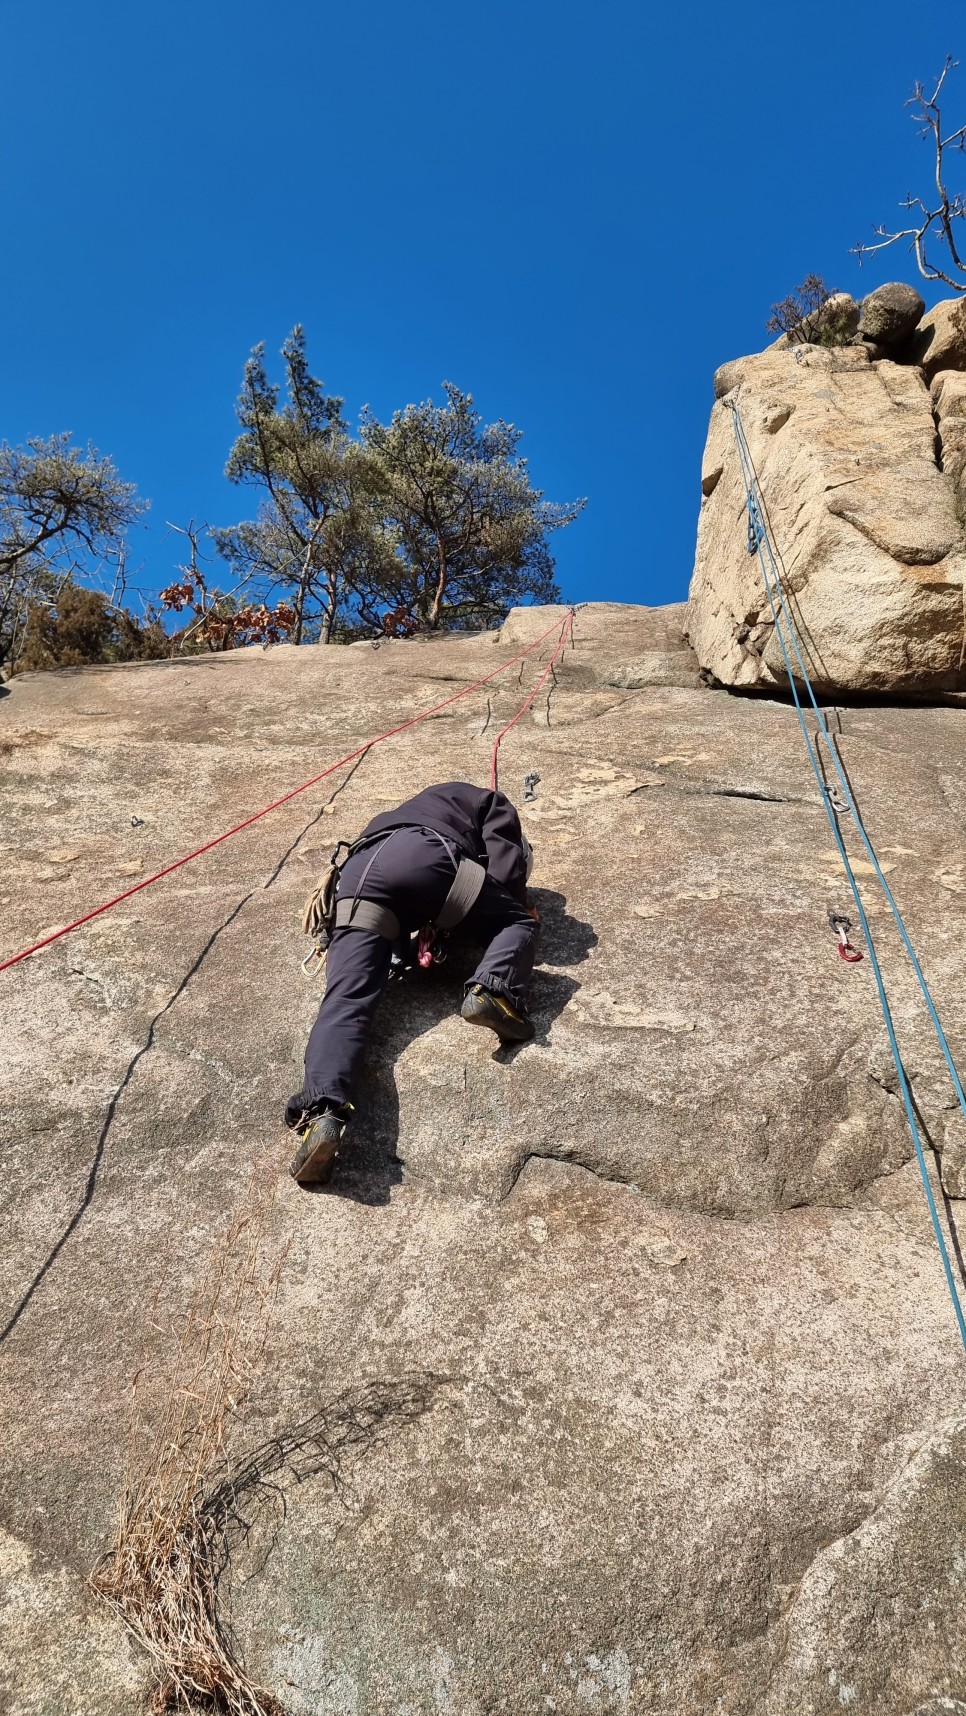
(841, 926)
(781, 616)
(325, 912)
(564, 630)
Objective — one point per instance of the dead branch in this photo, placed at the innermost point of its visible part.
(216, 624)
(936, 218)
(190, 1500)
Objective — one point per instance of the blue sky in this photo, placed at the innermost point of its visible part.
(574, 212)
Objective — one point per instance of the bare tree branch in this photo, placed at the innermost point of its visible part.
(937, 218)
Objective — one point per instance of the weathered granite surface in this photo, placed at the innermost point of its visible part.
(670, 1396)
(863, 516)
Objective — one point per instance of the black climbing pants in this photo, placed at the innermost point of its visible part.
(411, 874)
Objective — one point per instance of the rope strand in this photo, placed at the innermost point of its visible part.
(566, 632)
(350, 757)
(759, 539)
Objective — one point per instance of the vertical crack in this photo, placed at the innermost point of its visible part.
(93, 1172)
(87, 1196)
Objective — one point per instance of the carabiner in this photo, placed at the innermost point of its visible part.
(313, 963)
(841, 925)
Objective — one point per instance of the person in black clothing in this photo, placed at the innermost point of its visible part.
(407, 865)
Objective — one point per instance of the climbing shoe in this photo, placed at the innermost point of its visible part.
(484, 1007)
(319, 1140)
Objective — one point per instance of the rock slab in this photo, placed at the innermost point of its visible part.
(624, 1360)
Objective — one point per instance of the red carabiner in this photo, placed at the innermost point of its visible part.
(841, 925)
(849, 953)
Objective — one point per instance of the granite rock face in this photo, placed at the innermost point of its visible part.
(948, 394)
(863, 515)
(639, 1382)
(939, 342)
(839, 1633)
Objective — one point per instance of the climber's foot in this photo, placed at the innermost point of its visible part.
(484, 1007)
(319, 1140)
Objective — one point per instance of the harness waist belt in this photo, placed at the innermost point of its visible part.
(462, 896)
(357, 913)
(366, 915)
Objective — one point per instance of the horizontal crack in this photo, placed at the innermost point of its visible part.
(753, 793)
(749, 792)
(746, 1218)
(568, 1162)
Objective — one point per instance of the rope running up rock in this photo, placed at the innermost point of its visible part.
(566, 632)
(565, 628)
(759, 538)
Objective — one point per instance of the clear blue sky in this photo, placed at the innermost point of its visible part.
(574, 212)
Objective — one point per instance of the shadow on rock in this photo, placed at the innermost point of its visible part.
(370, 1167)
(950, 1209)
(564, 940)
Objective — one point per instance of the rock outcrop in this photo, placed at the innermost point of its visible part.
(860, 467)
(939, 342)
(632, 1371)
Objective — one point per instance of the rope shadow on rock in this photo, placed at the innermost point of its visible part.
(947, 1202)
(370, 1167)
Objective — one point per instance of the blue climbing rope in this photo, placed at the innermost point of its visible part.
(759, 541)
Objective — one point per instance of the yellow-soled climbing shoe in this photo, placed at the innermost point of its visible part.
(315, 1157)
(484, 1007)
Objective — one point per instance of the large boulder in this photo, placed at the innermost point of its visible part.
(616, 1372)
(890, 314)
(864, 519)
(940, 339)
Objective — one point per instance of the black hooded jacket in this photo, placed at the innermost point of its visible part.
(482, 825)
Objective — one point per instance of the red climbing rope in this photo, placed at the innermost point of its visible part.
(565, 632)
(350, 758)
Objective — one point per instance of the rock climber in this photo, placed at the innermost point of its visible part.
(454, 853)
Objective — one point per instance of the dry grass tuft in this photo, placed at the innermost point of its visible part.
(188, 1505)
(175, 1535)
